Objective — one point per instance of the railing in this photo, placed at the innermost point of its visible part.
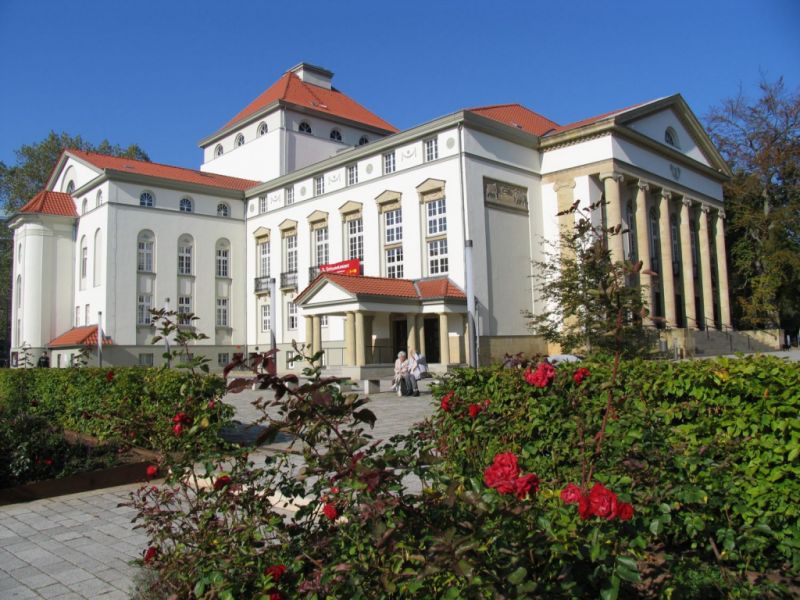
(289, 280)
(261, 284)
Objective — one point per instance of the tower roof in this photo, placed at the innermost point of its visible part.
(517, 116)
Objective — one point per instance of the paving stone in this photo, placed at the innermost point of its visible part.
(51, 591)
(38, 556)
(74, 575)
(38, 581)
(91, 588)
(20, 593)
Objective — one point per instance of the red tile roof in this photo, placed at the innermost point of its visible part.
(420, 289)
(290, 88)
(142, 167)
(51, 203)
(517, 116)
(597, 118)
(79, 336)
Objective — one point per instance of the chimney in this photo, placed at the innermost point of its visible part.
(314, 75)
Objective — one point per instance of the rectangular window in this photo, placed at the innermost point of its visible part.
(184, 260)
(693, 238)
(290, 195)
(291, 320)
(355, 239)
(319, 185)
(263, 259)
(323, 321)
(437, 219)
(291, 253)
(223, 358)
(86, 315)
(262, 205)
(222, 312)
(223, 255)
(393, 220)
(352, 174)
(146, 359)
(143, 305)
(431, 149)
(265, 317)
(321, 246)
(437, 257)
(84, 261)
(388, 163)
(145, 257)
(184, 308)
(394, 263)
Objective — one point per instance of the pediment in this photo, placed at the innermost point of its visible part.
(325, 292)
(658, 126)
(350, 207)
(317, 215)
(261, 232)
(287, 225)
(430, 185)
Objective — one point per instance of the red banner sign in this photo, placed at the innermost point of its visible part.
(346, 267)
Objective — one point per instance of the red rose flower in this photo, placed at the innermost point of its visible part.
(275, 571)
(329, 510)
(603, 502)
(524, 484)
(446, 401)
(584, 507)
(474, 410)
(579, 375)
(177, 429)
(222, 481)
(150, 554)
(274, 596)
(152, 471)
(502, 473)
(571, 494)
(110, 376)
(211, 405)
(624, 511)
(542, 376)
(181, 417)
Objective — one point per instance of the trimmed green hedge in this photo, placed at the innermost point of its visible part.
(129, 405)
(708, 449)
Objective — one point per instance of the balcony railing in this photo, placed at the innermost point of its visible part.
(289, 280)
(261, 284)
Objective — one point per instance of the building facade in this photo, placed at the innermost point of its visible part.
(312, 219)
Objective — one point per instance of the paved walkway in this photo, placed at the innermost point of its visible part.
(78, 547)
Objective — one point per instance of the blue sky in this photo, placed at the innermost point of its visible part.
(166, 73)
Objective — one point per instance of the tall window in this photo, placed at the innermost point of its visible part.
(304, 127)
(336, 135)
(437, 257)
(98, 200)
(84, 206)
(676, 257)
(86, 315)
(291, 319)
(186, 205)
(143, 306)
(144, 255)
(393, 220)
(84, 261)
(437, 218)
(431, 149)
(70, 187)
(352, 174)
(263, 259)
(319, 185)
(262, 205)
(355, 239)
(222, 312)
(146, 199)
(693, 238)
(185, 255)
(321, 246)
(265, 317)
(388, 163)
(394, 262)
(223, 210)
(223, 258)
(184, 308)
(654, 240)
(290, 195)
(291, 253)
(629, 237)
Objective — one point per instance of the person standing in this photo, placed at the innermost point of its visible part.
(44, 361)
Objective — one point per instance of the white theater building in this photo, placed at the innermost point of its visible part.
(424, 219)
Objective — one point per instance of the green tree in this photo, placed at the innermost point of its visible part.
(760, 139)
(591, 304)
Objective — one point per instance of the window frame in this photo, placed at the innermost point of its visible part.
(394, 263)
(263, 129)
(218, 151)
(143, 199)
(351, 172)
(430, 149)
(238, 141)
(185, 252)
(292, 318)
(321, 254)
(389, 163)
(335, 135)
(436, 216)
(222, 313)
(264, 258)
(223, 210)
(354, 239)
(266, 317)
(144, 302)
(319, 185)
(289, 195)
(439, 258)
(305, 127)
(186, 205)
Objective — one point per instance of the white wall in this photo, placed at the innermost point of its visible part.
(654, 126)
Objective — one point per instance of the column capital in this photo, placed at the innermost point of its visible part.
(721, 214)
(564, 184)
(611, 175)
(643, 185)
(705, 208)
(687, 202)
(666, 194)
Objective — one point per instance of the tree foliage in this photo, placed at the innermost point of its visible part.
(760, 139)
(590, 302)
(35, 162)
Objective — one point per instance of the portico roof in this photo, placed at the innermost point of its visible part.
(79, 336)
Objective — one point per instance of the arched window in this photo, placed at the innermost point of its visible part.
(98, 200)
(186, 205)
(336, 135)
(70, 186)
(262, 129)
(145, 253)
(146, 199)
(304, 127)
(239, 140)
(84, 257)
(223, 252)
(218, 150)
(185, 249)
(223, 210)
(84, 206)
(363, 140)
(671, 137)
(97, 258)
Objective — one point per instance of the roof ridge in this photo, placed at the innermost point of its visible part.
(494, 106)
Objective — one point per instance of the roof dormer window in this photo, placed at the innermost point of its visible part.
(671, 137)
(363, 140)
(70, 186)
(336, 135)
(304, 127)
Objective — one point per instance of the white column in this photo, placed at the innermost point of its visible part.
(411, 335)
(667, 274)
(686, 265)
(350, 339)
(309, 334)
(611, 184)
(722, 267)
(705, 269)
(444, 340)
(316, 343)
(643, 244)
(359, 335)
